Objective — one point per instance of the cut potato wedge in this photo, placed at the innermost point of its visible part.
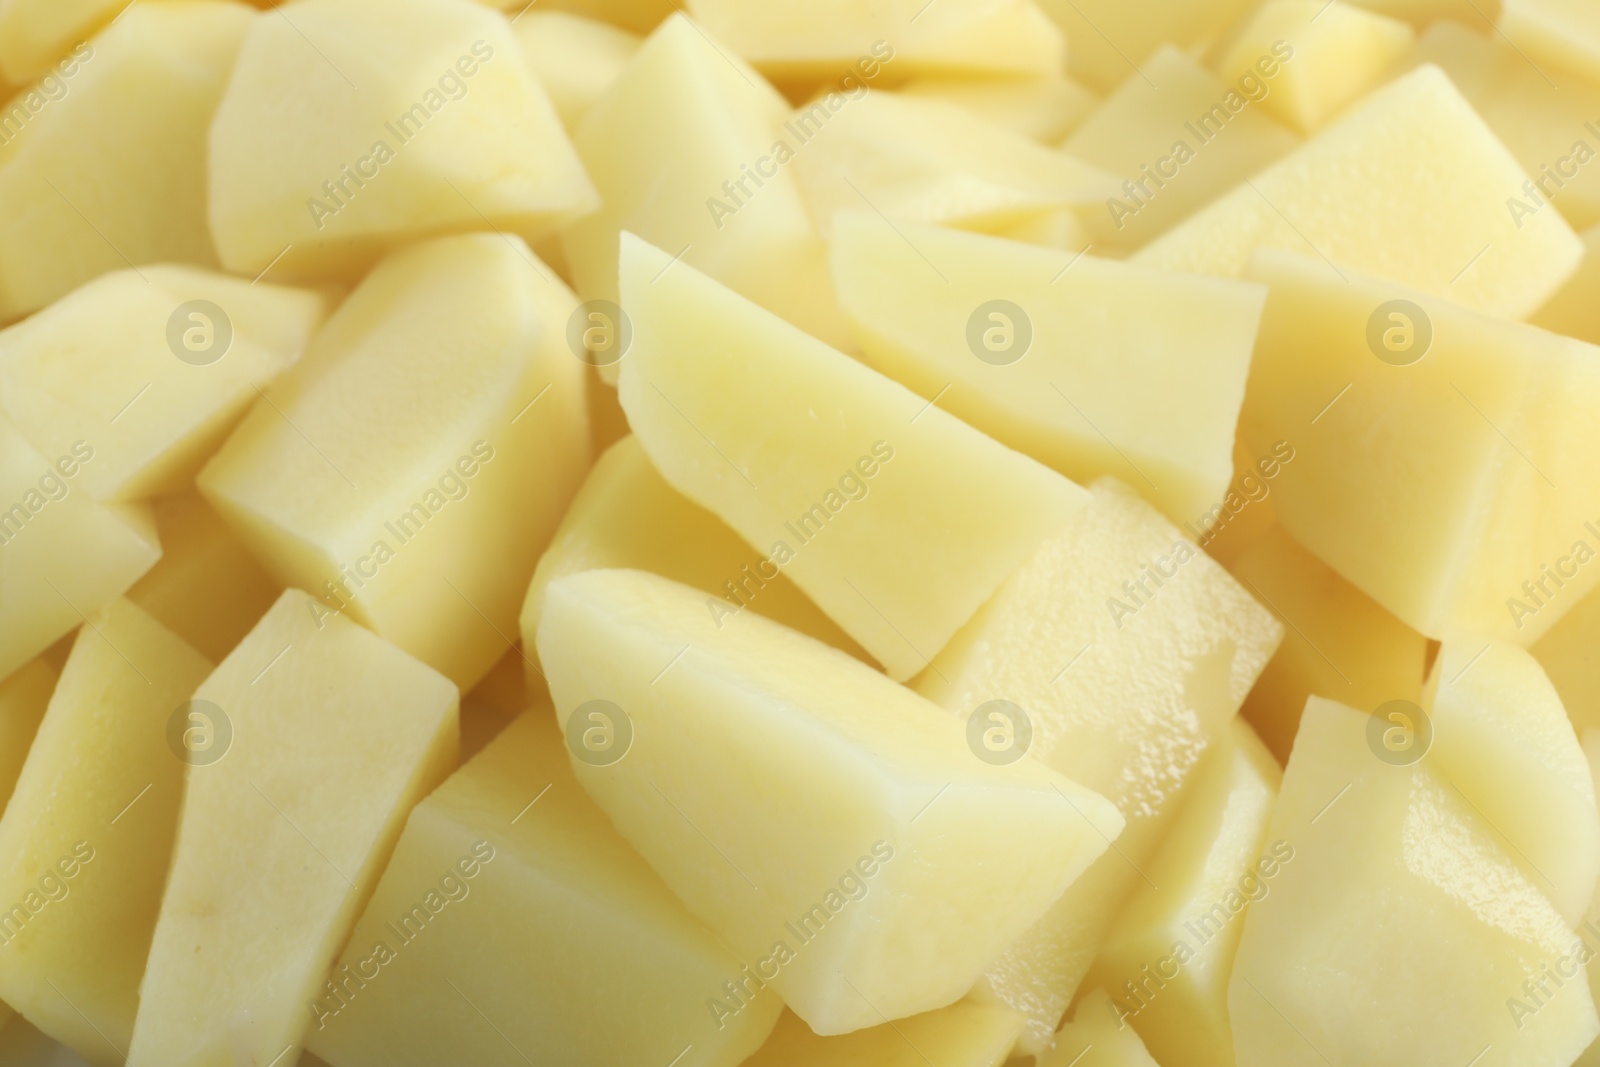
(962, 1035)
(23, 699)
(682, 541)
(414, 466)
(1502, 740)
(889, 517)
(844, 848)
(317, 740)
(1445, 231)
(507, 884)
(1570, 655)
(428, 121)
(1128, 651)
(1396, 878)
(1044, 109)
(62, 553)
(154, 365)
(1059, 355)
(1490, 417)
(577, 59)
(81, 191)
(90, 830)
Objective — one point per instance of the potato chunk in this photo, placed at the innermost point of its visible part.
(155, 366)
(510, 866)
(322, 739)
(1396, 879)
(414, 465)
(833, 828)
(1445, 230)
(89, 832)
(888, 517)
(962, 1035)
(354, 127)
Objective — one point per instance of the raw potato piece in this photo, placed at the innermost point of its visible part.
(545, 923)
(1403, 932)
(1340, 52)
(577, 59)
(414, 465)
(1173, 138)
(1431, 484)
(809, 41)
(962, 1035)
(795, 800)
(1043, 109)
(1340, 644)
(62, 554)
(1501, 738)
(1570, 655)
(1329, 197)
(1110, 40)
(1095, 1039)
(1166, 963)
(1426, 13)
(81, 191)
(897, 519)
(89, 831)
(626, 517)
(449, 130)
(23, 698)
(680, 133)
(1563, 32)
(335, 734)
(1129, 651)
(207, 588)
(1101, 351)
(639, 16)
(928, 161)
(155, 366)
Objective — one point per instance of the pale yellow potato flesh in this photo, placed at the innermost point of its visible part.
(1130, 651)
(683, 149)
(1422, 234)
(507, 894)
(1572, 310)
(1339, 54)
(1094, 1038)
(449, 130)
(1073, 360)
(156, 365)
(861, 859)
(1164, 135)
(1339, 643)
(1570, 655)
(24, 695)
(810, 41)
(682, 541)
(333, 735)
(34, 34)
(920, 160)
(1396, 878)
(414, 465)
(1165, 965)
(81, 193)
(1500, 482)
(886, 518)
(62, 553)
(962, 1035)
(89, 831)
(1502, 740)
(1110, 40)
(577, 59)
(1563, 33)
